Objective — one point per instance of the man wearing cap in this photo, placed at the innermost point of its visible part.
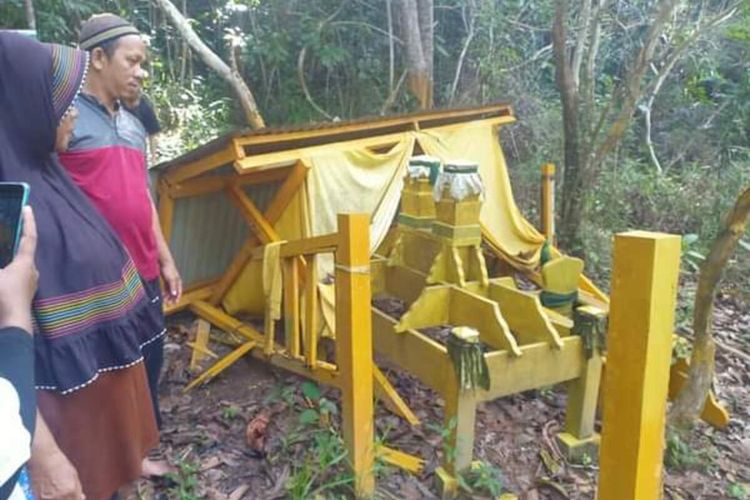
(107, 160)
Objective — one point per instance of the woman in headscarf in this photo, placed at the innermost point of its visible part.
(95, 422)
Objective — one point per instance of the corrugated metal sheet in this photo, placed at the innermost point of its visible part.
(207, 231)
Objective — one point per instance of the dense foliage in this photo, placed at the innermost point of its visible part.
(349, 55)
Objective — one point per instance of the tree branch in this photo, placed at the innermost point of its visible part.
(244, 94)
(469, 37)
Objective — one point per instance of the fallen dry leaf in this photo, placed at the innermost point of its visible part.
(239, 492)
(255, 433)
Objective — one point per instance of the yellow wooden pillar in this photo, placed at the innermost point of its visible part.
(548, 201)
(354, 346)
(644, 289)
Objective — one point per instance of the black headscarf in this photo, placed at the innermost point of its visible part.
(90, 310)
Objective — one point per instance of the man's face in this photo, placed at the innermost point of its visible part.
(123, 72)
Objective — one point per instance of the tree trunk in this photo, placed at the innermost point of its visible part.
(230, 75)
(30, 14)
(690, 401)
(573, 186)
(419, 76)
(426, 14)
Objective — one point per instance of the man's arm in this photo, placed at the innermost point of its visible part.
(169, 272)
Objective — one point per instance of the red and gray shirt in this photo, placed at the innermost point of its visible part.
(106, 158)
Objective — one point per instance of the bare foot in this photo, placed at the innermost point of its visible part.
(156, 468)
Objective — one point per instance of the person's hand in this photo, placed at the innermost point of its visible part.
(18, 279)
(172, 281)
(53, 477)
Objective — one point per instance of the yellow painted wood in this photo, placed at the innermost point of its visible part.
(354, 347)
(524, 315)
(469, 309)
(412, 351)
(317, 244)
(639, 343)
(323, 372)
(213, 183)
(583, 397)
(548, 202)
(714, 412)
(391, 398)
(432, 308)
(460, 420)
(456, 264)
(562, 275)
(188, 297)
(378, 266)
(404, 283)
(311, 313)
(200, 343)
(539, 366)
(279, 203)
(221, 365)
(418, 249)
(458, 213)
(260, 225)
(292, 309)
(201, 165)
(399, 459)
(478, 266)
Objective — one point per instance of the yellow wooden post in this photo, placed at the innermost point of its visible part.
(548, 201)
(644, 289)
(166, 211)
(354, 346)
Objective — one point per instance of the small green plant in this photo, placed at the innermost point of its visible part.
(586, 459)
(737, 491)
(449, 451)
(481, 479)
(185, 481)
(230, 412)
(681, 455)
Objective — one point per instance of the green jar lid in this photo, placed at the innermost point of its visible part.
(461, 167)
(434, 164)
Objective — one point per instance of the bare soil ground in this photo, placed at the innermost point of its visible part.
(205, 434)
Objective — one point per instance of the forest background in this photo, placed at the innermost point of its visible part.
(682, 158)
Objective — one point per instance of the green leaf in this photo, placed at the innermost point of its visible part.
(311, 390)
(689, 239)
(308, 417)
(696, 255)
(744, 244)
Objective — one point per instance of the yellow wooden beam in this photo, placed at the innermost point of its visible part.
(201, 165)
(214, 183)
(639, 351)
(292, 316)
(354, 347)
(391, 398)
(548, 202)
(200, 345)
(276, 208)
(399, 459)
(525, 315)
(311, 312)
(221, 365)
(714, 412)
(202, 292)
(254, 217)
(317, 244)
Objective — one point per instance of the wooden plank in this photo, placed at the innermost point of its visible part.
(391, 398)
(323, 372)
(525, 315)
(399, 459)
(317, 244)
(539, 366)
(263, 229)
(468, 309)
(291, 307)
(432, 308)
(188, 297)
(639, 353)
(202, 332)
(166, 212)
(221, 365)
(197, 167)
(413, 351)
(354, 348)
(276, 208)
(412, 122)
(311, 311)
(214, 183)
(404, 283)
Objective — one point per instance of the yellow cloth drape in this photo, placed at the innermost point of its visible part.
(503, 225)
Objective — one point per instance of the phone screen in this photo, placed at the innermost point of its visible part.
(12, 199)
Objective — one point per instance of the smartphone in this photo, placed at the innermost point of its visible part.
(13, 197)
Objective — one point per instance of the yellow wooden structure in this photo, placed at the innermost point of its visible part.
(433, 260)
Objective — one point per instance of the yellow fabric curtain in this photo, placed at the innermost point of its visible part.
(503, 225)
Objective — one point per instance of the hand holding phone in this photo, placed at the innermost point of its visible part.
(13, 197)
(18, 279)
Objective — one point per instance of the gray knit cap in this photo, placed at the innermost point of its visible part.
(102, 28)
